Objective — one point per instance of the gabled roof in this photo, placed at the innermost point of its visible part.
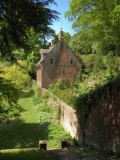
(45, 51)
(48, 51)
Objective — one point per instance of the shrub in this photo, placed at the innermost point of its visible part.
(17, 74)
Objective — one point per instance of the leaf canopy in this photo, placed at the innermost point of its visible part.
(18, 17)
(100, 17)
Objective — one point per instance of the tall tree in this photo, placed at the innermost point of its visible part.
(81, 42)
(67, 37)
(101, 18)
(22, 22)
(16, 20)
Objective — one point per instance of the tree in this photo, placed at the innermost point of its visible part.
(8, 99)
(56, 38)
(22, 23)
(13, 78)
(67, 37)
(17, 18)
(101, 18)
(81, 42)
(17, 74)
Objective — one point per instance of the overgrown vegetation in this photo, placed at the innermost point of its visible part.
(49, 113)
(19, 25)
(37, 121)
(21, 39)
(99, 72)
(13, 79)
(97, 25)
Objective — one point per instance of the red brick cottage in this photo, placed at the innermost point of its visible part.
(57, 62)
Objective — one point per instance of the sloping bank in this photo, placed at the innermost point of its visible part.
(96, 120)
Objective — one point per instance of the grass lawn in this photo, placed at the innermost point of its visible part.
(25, 154)
(26, 131)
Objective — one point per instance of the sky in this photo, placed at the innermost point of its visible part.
(62, 7)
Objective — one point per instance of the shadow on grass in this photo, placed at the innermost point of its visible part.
(26, 93)
(30, 154)
(22, 135)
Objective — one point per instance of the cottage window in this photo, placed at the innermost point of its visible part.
(51, 60)
(71, 61)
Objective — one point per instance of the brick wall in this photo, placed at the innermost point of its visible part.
(39, 75)
(62, 67)
(68, 119)
(103, 123)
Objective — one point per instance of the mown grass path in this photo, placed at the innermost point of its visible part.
(25, 131)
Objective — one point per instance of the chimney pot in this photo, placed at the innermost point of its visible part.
(52, 43)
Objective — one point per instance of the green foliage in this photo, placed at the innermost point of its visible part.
(112, 65)
(57, 133)
(60, 84)
(67, 37)
(88, 62)
(68, 98)
(36, 99)
(26, 154)
(44, 117)
(32, 59)
(54, 106)
(18, 74)
(99, 73)
(98, 19)
(61, 90)
(13, 78)
(27, 130)
(32, 55)
(9, 95)
(56, 38)
(48, 108)
(81, 43)
(98, 64)
(18, 18)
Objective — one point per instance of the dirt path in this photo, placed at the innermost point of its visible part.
(71, 155)
(64, 154)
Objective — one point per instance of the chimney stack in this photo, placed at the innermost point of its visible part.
(52, 43)
(61, 37)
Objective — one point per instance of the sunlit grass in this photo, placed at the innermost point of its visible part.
(26, 131)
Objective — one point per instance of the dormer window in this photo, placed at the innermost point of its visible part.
(51, 60)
